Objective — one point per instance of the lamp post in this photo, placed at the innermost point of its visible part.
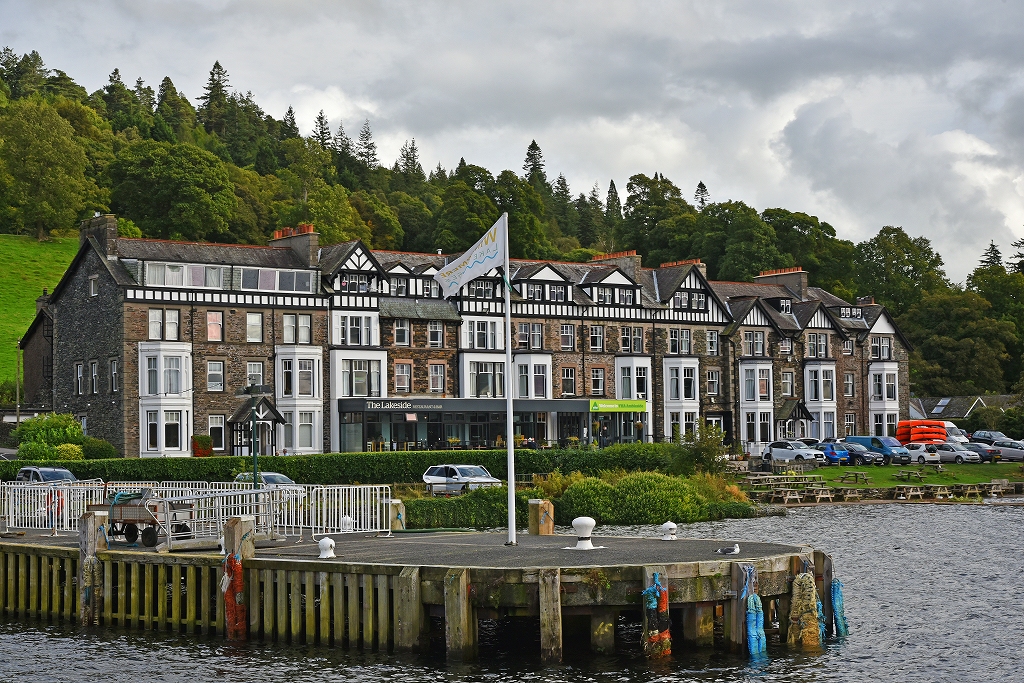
(254, 390)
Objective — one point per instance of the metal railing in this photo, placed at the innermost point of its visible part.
(195, 510)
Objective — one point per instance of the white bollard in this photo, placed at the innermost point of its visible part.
(326, 548)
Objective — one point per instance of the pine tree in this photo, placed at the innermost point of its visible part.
(214, 100)
(1016, 262)
(992, 256)
(322, 130)
(562, 207)
(342, 142)
(533, 167)
(289, 129)
(366, 148)
(701, 197)
(438, 176)
(612, 204)
(409, 161)
(146, 96)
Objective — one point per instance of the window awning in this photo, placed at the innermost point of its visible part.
(794, 409)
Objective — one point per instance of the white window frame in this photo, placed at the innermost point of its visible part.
(712, 342)
(437, 377)
(253, 327)
(597, 381)
(567, 337)
(403, 332)
(217, 422)
(569, 376)
(210, 386)
(403, 378)
(435, 334)
(597, 338)
(714, 379)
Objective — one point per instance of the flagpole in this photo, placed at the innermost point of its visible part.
(509, 439)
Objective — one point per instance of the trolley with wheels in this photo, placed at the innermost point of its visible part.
(135, 515)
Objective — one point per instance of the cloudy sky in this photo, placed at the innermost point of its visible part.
(864, 114)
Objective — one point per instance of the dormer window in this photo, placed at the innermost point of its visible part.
(399, 286)
(681, 300)
(354, 284)
(534, 292)
(785, 305)
(557, 292)
(480, 289)
(626, 297)
(604, 295)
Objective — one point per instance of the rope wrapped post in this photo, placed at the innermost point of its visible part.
(823, 582)
(657, 623)
(239, 545)
(839, 609)
(91, 539)
(804, 626)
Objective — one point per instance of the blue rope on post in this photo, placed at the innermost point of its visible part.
(839, 609)
(757, 643)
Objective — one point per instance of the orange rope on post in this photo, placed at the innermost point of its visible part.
(233, 587)
(657, 636)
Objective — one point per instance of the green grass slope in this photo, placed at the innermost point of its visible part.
(26, 266)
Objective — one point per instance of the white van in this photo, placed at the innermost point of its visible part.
(954, 433)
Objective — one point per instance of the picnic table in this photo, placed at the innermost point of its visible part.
(908, 492)
(937, 466)
(850, 494)
(992, 489)
(819, 494)
(967, 490)
(937, 491)
(905, 475)
(855, 476)
(786, 495)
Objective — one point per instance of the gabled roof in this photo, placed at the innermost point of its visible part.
(265, 409)
(41, 316)
(950, 407)
(333, 256)
(871, 313)
(793, 409)
(206, 252)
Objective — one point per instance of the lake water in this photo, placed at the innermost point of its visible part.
(932, 594)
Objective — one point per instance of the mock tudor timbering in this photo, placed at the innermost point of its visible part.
(152, 342)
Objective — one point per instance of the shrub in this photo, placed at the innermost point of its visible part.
(700, 451)
(35, 450)
(588, 497)
(652, 498)
(53, 429)
(69, 451)
(98, 449)
(484, 508)
(556, 483)
(202, 446)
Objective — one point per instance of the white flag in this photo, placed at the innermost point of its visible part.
(487, 253)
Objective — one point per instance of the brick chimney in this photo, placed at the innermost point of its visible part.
(793, 278)
(104, 229)
(695, 262)
(303, 240)
(627, 261)
(865, 301)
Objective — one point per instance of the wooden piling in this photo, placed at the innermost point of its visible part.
(736, 608)
(699, 624)
(409, 619)
(90, 527)
(549, 590)
(823, 582)
(459, 616)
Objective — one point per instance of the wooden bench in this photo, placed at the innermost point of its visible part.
(850, 494)
(967, 490)
(937, 466)
(786, 495)
(855, 477)
(819, 494)
(937, 491)
(906, 475)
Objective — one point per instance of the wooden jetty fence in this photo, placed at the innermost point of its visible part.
(389, 607)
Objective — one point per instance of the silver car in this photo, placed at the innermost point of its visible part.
(954, 452)
(448, 479)
(791, 450)
(1010, 450)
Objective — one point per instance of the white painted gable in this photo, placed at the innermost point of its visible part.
(756, 318)
(692, 281)
(547, 273)
(883, 325)
(359, 259)
(616, 278)
(400, 269)
(820, 321)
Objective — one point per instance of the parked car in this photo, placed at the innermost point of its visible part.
(955, 452)
(1010, 450)
(988, 453)
(808, 442)
(446, 479)
(923, 452)
(791, 450)
(859, 455)
(275, 480)
(36, 475)
(835, 453)
(954, 433)
(988, 436)
(892, 451)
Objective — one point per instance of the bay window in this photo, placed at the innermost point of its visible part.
(360, 378)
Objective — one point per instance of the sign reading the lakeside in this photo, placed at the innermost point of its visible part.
(618, 406)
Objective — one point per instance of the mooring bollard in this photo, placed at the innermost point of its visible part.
(91, 538)
(542, 517)
(396, 513)
(239, 545)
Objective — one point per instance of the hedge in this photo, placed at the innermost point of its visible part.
(484, 508)
(388, 467)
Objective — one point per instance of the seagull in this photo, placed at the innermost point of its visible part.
(735, 550)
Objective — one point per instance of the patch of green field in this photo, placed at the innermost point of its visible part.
(885, 476)
(26, 266)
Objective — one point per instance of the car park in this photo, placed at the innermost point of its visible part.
(921, 452)
(988, 436)
(835, 453)
(275, 480)
(956, 453)
(791, 450)
(39, 475)
(448, 479)
(988, 453)
(892, 451)
(859, 455)
(1010, 450)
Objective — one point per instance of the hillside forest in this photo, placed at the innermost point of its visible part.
(216, 167)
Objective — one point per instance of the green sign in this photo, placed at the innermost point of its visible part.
(618, 406)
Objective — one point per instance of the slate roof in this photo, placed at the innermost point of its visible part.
(333, 255)
(196, 252)
(418, 309)
(956, 407)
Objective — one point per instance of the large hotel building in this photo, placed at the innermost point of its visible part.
(150, 342)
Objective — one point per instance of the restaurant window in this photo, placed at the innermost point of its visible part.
(217, 432)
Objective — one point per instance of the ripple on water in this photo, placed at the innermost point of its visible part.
(930, 596)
